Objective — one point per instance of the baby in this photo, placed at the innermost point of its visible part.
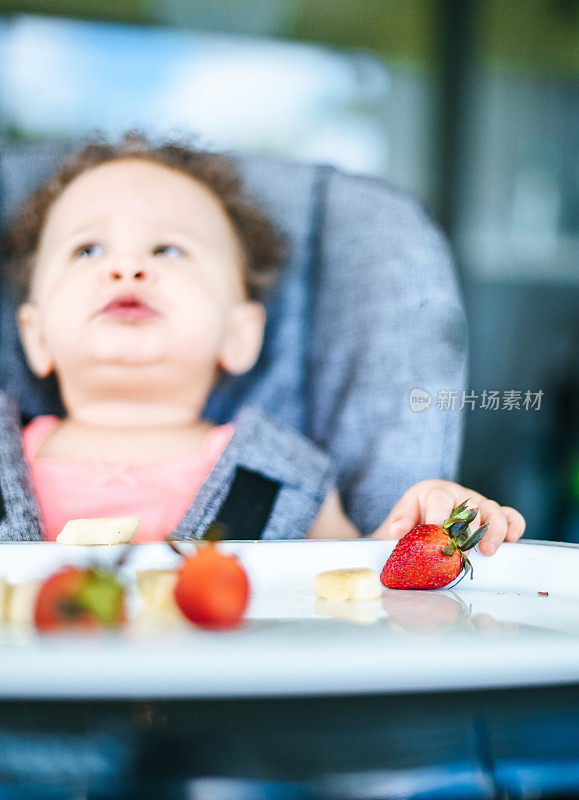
(142, 271)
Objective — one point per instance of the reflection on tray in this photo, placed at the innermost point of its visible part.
(416, 613)
(424, 611)
(363, 612)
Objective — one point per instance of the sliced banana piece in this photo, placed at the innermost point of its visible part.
(357, 583)
(4, 597)
(21, 601)
(101, 530)
(157, 585)
(158, 609)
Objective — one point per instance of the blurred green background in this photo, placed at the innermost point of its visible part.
(471, 105)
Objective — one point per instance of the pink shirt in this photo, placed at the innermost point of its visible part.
(158, 493)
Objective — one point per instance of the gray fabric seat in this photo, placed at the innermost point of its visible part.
(366, 310)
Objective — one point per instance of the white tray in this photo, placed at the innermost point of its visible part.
(493, 631)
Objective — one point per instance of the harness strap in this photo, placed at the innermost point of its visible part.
(248, 506)
(269, 483)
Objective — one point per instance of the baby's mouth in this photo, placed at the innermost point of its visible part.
(128, 307)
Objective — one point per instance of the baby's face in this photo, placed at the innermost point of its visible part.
(137, 264)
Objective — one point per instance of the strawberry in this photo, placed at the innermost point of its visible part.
(212, 588)
(79, 599)
(432, 556)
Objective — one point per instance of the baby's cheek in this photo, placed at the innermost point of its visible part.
(63, 327)
(200, 334)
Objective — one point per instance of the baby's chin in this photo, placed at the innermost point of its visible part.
(124, 344)
(114, 354)
(148, 362)
(121, 358)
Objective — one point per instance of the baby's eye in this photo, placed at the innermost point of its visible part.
(168, 250)
(89, 251)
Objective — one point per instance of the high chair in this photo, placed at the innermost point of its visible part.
(365, 345)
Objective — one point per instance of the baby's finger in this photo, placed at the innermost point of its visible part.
(403, 517)
(491, 514)
(485, 508)
(515, 523)
(439, 503)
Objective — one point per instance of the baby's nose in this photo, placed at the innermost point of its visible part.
(128, 273)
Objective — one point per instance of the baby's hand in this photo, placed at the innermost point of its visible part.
(432, 501)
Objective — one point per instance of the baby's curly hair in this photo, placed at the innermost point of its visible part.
(263, 246)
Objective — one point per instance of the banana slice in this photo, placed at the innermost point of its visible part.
(357, 583)
(158, 609)
(101, 530)
(4, 596)
(21, 601)
(156, 585)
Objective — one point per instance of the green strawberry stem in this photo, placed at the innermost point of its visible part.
(216, 532)
(474, 538)
(102, 595)
(174, 546)
(460, 513)
(123, 557)
(69, 608)
(460, 536)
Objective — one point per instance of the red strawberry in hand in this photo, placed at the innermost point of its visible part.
(212, 588)
(79, 599)
(432, 556)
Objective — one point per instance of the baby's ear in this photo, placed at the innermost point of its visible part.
(242, 346)
(37, 354)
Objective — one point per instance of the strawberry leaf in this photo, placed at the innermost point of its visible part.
(214, 533)
(475, 537)
(69, 608)
(459, 509)
(102, 595)
(460, 513)
(458, 530)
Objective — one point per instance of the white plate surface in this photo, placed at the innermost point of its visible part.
(493, 631)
